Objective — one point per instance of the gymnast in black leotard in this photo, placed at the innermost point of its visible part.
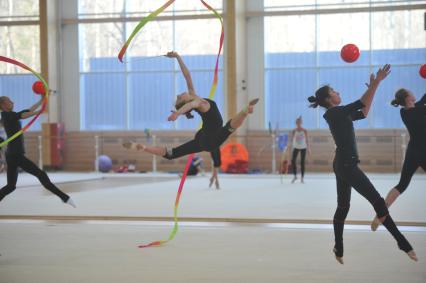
(212, 133)
(413, 114)
(340, 120)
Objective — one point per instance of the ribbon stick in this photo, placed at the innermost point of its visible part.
(142, 23)
(45, 98)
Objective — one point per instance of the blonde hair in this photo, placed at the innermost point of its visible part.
(179, 105)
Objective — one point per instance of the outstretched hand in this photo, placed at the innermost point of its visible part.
(173, 116)
(381, 74)
(172, 54)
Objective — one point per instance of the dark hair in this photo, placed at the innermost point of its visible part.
(400, 96)
(187, 114)
(3, 99)
(320, 96)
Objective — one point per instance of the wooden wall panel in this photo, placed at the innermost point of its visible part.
(379, 150)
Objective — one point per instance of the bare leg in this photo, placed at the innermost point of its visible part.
(390, 199)
(411, 163)
(238, 120)
(156, 150)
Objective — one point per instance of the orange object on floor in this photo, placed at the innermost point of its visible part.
(234, 157)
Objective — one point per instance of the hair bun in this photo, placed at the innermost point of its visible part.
(312, 99)
(395, 102)
(189, 115)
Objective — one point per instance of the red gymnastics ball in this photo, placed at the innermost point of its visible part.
(38, 87)
(349, 53)
(422, 71)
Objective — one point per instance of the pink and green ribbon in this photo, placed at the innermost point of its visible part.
(45, 98)
(141, 24)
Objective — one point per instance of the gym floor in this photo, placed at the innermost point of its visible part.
(256, 228)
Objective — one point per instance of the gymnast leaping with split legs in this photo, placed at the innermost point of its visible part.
(413, 115)
(340, 120)
(212, 134)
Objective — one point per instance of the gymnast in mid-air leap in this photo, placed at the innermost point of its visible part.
(212, 133)
(413, 114)
(15, 153)
(340, 120)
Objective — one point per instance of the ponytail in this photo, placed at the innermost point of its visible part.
(320, 97)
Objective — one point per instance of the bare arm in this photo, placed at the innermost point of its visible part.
(185, 71)
(32, 110)
(189, 106)
(29, 114)
(375, 80)
(37, 105)
(185, 108)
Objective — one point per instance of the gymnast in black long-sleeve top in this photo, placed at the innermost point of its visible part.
(15, 153)
(413, 114)
(340, 120)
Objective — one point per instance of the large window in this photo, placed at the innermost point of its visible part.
(140, 93)
(20, 40)
(302, 53)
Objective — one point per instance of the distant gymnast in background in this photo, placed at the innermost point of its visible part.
(299, 142)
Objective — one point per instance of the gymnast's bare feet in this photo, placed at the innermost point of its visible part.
(375, 224)
(338, 258)
(412, 255)
(133, 145)
(338, 252)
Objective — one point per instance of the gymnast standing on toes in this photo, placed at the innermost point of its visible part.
(340, 120)
(210, 136)
(15, 153)
(413, 115)
(299, 142)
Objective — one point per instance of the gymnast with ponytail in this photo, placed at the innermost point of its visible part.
(413, 114)
(340, 120)
(212, 133)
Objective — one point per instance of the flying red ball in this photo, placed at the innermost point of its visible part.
(422, 71)
(349, 53)
(38, 87)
